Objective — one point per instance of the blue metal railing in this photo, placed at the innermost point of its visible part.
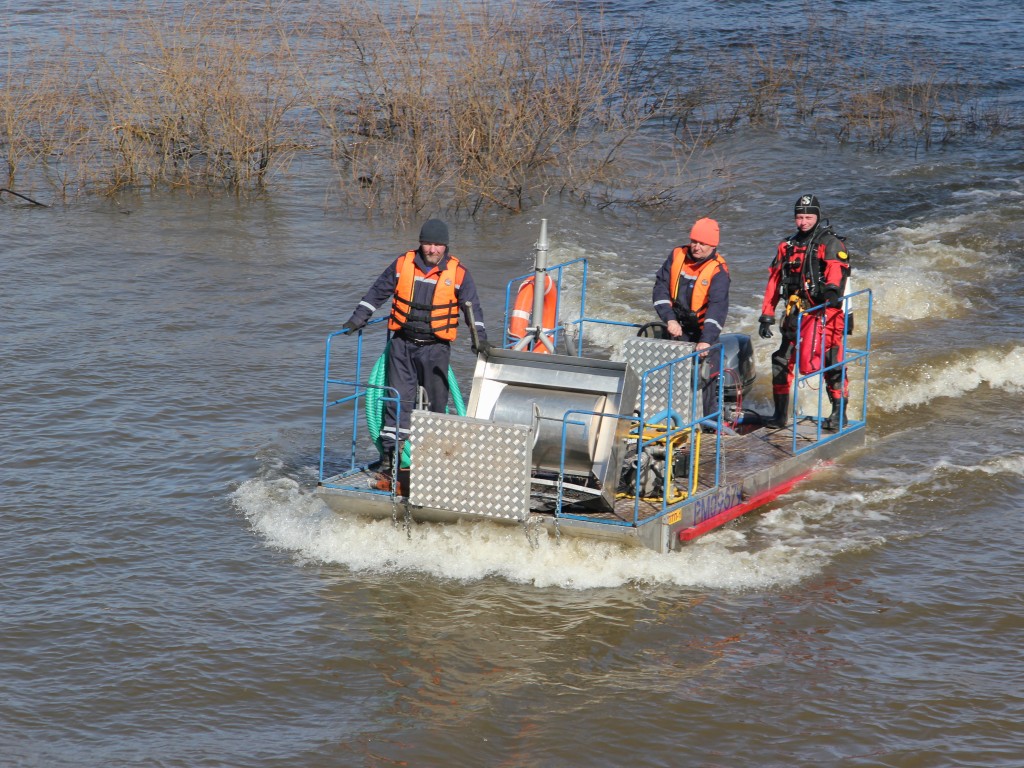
(849, 357)
(359, 388)
(665, 427)
(561, 286)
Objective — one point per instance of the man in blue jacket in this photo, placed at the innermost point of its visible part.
(427, 288)
(691, 296)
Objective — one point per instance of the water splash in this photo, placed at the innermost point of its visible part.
(925, 267)
(926, 382)
(292, 519)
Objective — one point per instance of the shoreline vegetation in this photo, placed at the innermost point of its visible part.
(464, 107)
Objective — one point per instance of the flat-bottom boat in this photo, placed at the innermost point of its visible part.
(602, 442)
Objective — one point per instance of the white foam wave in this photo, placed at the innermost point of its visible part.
(922, 384)
(1001, 465)
(1012, 465)
(808, 512)
(292, 519)
(925, 266)
(918, 282)
(892, 485)
(992, 197)
(928, 232)
(910, 294)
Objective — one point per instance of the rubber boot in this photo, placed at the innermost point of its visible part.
(384, 463)
(831, 424)
(780, 417)
(381, 480)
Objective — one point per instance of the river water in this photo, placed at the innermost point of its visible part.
(174, 595)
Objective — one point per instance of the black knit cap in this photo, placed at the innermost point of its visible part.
(434, 231)
(807, 204)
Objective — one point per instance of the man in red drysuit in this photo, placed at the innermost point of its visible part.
(810, 268)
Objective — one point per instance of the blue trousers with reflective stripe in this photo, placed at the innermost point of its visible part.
(411, 366)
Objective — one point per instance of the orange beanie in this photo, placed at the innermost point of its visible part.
(705, 231)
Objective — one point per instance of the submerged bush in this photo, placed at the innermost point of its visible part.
(458, 106)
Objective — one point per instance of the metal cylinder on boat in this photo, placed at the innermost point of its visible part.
(545, 409)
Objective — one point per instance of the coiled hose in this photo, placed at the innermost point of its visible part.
(377, 391)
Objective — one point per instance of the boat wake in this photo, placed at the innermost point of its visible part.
(923, 383)
(780, 548)
(929, 271)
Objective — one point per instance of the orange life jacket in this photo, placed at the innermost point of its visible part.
(523, 309)
(444, 309)
(701, 274)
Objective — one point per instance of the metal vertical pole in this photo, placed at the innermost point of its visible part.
(540, 273)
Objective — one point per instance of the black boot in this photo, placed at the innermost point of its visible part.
(384, 463)
(831, 424)
(382, 470)
(780, 417)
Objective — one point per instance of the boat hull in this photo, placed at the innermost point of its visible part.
(758, 468)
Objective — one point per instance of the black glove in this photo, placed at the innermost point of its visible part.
(482, 348)
(764, 329)
(832, 298)
(349, 327)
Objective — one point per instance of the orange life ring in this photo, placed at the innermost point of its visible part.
(523, 310)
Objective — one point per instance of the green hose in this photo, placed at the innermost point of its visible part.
(376, 393)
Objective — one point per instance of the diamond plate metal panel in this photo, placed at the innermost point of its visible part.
(643, 354)
(470, 466)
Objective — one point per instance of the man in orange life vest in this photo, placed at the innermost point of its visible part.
(427, 288)
(810, 268)
(691, 296)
